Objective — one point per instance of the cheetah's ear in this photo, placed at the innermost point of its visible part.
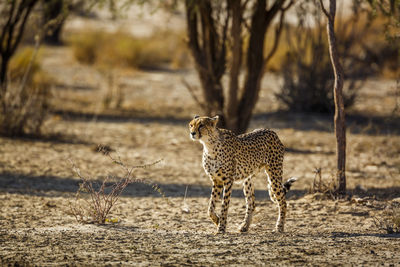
(215, 120)
(196, 116)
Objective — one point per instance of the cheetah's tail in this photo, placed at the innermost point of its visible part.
(288, 184)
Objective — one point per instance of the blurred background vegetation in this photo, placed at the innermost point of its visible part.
(164, 49)
(367, 33)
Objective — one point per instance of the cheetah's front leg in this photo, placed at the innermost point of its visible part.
(225, 205)
(215, 196)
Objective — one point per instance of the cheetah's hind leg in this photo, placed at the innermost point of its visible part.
(271, 195)
(277, 193)
(248, 190)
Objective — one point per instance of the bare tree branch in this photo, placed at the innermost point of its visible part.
(244, 4)
(192, 93)
(191, 19)
(288, 5)
(324, 10)
(22, 26)
(3, 34)
(222, 51)
(17, 13)
(278, 31)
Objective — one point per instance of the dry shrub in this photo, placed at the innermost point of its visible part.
(24, 100)
(19, 65)
(303, 58)
(102, 199)
(319, 186)
(307, 69)
(94, 201)
(23, 110)
(362, 38)
(381, 46)
(86, 46)
(390, 221)
(123, 50)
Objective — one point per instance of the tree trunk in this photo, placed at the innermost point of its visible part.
(237, 42)
(260, 21)
(208, 52)
(212, 92)
(16, 15)
(207, 32)
(3, 71)
(53, 20)
(339, 118)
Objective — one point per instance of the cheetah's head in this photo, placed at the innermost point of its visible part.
(202, 126)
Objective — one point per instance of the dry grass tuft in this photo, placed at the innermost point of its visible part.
(25, 64)
(123, 50)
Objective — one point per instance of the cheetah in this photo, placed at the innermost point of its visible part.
(229, 158)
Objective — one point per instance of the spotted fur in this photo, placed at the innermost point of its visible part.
(228, 158)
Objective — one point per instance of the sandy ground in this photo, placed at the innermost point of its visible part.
(153, 232)
(38, 185)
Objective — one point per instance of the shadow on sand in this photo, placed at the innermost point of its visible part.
(356, 123)
(53, 186)
(53, 138)
(336, 235)
(121, 117)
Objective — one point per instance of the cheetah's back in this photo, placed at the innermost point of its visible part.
(256, 150)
